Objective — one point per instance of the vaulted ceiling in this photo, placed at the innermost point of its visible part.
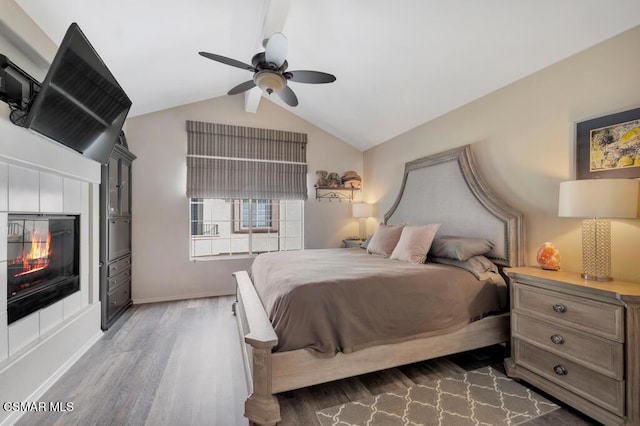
(398, 63)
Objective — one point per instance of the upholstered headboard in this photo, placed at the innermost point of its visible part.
(446, 188)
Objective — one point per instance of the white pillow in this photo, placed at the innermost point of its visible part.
(415, 242)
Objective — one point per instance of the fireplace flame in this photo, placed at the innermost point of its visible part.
(38, 257)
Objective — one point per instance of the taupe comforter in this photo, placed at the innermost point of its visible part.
(342, 300)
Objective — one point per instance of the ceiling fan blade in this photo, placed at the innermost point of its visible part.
(228, 61)
(276, 49)
(287, 95)
(313, 77)
(242, 87)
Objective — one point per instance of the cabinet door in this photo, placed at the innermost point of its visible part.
(125, 182)
(114, 186)
(119, 238)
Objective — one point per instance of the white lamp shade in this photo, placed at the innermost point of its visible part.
(362, 210)
(602, 198)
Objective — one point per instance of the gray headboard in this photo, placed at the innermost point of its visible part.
(446, 188)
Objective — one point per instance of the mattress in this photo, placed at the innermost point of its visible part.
(343, 300)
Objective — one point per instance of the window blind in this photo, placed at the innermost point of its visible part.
(235, 162)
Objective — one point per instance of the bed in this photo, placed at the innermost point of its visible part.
(445, 189)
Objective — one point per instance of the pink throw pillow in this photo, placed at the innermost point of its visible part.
(414, 243)
(384, 240)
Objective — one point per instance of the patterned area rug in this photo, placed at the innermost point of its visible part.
(479, 397)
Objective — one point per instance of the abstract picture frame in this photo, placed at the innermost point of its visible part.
(609, 146)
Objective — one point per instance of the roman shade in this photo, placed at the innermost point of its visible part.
(236, 162)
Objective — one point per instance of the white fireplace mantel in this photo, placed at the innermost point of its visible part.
(38, 175)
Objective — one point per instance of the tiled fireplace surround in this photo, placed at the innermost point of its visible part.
(40, 176)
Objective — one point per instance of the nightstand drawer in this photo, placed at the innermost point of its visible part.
(602, 355)
(601, 390)
(592, 316)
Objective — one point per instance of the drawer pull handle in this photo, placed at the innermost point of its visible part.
(560, 370)
(557, 339)
(559, 308)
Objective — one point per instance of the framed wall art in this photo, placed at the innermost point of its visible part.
(609, 146)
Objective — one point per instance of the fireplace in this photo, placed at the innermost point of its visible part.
(43, 261)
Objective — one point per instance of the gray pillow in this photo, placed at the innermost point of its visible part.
(365, 243)
(479, 266)
(459, 248)
(483, 269)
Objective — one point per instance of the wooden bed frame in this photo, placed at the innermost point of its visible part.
(443, 188)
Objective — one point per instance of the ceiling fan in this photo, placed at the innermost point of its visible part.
(270, 71)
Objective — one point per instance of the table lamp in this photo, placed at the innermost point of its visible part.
(362, 211)
(597, 201)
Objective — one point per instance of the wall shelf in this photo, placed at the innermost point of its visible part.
(333, 193)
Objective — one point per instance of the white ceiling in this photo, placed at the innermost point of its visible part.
(398, 63)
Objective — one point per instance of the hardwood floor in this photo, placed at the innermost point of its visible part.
(179, 363)
(176, 363)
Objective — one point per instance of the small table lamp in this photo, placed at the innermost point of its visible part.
(598, 200)
(362, 211)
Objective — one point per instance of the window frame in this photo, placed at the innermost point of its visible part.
(237, 215)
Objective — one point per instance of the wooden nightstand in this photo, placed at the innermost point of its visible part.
(346, 243)
(578, 340)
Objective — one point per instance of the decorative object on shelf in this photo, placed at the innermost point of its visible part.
(322, 178)
(362, 211)
(351, 179)
(598, 200)
(333, 180)
(548, 257)
(609, 146)
(331, 186)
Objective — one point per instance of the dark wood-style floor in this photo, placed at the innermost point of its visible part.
(179, 363)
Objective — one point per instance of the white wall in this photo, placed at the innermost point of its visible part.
(161, 266)
(523, 139)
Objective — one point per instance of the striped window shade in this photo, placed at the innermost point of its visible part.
(234, 162)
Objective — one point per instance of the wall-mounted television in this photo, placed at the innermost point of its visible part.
(80, 104)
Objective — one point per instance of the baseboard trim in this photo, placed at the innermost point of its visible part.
(179, 297)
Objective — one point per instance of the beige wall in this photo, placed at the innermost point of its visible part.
(161, 266)
(523, 140)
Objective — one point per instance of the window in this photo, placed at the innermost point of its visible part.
(198, 227)
(246, 187)
(255, 216)
(245, 227)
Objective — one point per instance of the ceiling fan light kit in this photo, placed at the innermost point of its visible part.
(270, 71)
(269, 81)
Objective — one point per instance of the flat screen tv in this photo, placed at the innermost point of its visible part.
(80, 104)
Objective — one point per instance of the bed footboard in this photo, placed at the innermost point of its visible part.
(261, 406)
(269, 373)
